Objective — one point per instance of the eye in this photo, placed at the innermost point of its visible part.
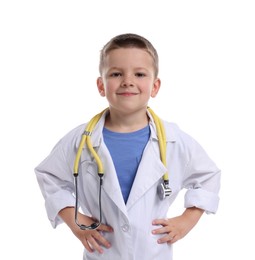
(140, 74)
(115, 74)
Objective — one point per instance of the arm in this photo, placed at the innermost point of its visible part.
(55, 178)
(201, 178)
(91, 239)
(177, 227)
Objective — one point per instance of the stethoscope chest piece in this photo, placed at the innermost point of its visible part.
(164, 190)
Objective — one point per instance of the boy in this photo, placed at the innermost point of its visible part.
(129, 220)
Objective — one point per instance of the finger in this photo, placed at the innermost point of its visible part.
(87, 246)
(169, 238)
(105, 228)
(102, 240)
(94, 245)
(173, 240)
(162, 222)
(161, 230)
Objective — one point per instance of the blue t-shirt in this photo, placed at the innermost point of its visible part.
(126, 150)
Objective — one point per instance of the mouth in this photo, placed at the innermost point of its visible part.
(126, 94)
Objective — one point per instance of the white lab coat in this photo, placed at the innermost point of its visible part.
(188, 166)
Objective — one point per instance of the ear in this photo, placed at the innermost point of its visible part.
(100, 86)
(155, 88)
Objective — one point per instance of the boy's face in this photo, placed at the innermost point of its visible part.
(128, 79)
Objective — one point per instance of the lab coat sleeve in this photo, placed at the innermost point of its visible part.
(202, 179)
(55, 179)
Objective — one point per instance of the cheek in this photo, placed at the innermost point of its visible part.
(110, 86)
(149, 91)
(108, 89)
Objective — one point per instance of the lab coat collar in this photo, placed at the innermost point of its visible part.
(170, 135)
(97, 132)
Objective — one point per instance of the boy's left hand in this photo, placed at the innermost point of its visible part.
(176, 228)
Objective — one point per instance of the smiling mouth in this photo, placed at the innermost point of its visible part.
(127, 94)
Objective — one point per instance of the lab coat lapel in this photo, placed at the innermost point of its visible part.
(150, 170)
(111, 184)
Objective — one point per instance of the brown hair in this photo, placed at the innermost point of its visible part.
(129, 40)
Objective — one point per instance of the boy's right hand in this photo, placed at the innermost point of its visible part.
(93, 240)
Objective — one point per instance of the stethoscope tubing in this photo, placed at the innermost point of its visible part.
(94, 225)
(163, 189)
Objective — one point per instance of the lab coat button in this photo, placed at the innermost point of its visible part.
(125, 228)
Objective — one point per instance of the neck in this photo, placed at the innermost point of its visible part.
(117, 122)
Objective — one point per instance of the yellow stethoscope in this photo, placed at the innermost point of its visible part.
(163, 189)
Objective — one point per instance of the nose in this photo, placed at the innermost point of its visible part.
(127, 81)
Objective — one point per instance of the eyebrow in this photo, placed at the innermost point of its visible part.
(119, 68)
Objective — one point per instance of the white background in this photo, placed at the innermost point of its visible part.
(49, 53)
